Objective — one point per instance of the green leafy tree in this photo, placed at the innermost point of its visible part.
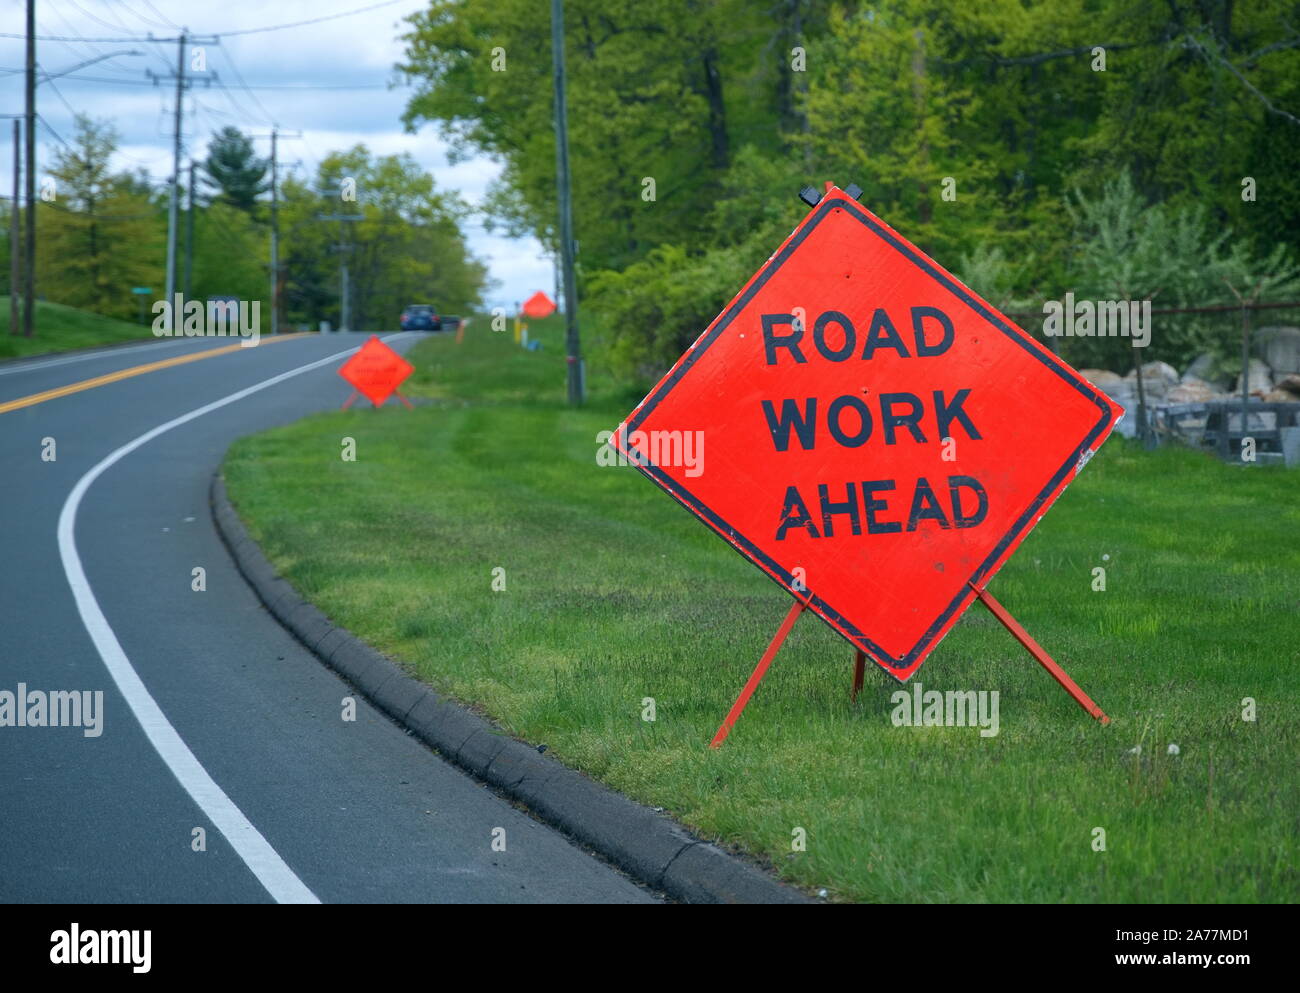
(408, 248)
(99, 233)
(968, 126)
(661, 94)
(233, 171)
(231, 257)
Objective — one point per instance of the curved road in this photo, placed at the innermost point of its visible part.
(213, 716)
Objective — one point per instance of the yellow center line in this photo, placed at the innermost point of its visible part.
(135, 370)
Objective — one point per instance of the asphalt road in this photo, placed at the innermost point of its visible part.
(213, 716)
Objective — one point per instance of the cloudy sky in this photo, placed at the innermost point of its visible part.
(329, 80)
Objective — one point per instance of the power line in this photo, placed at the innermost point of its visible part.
(252, 86)
(50, 83)
(314, 20)
(97, 19)
(98, 216)
(79, 50)
(50, 129)
(222, 34)
(240, 77)
(240, 109)
(161, 22)
(108, 63)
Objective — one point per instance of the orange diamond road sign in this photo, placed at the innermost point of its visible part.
(867, 431)
(539, 305)
(376, 371)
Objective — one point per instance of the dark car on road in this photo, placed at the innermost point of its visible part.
(421, 317)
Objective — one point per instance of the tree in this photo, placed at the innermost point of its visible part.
(234, 171)
(661, 95)
(968, 126)
(231, 257)
(100, 233)
(408, 248)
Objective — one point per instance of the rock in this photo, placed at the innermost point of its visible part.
(1260, 378)
(1191, 392)
(1207, 368)
(1156, 370)
(1100, 377)
(1127, 427)
(1119, 389)
(1155, 389)
(1279, 347)
(1290, 383)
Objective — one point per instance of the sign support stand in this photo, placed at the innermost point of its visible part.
(755, 677)
(860, 661)
(397, 393)
(1040, 656)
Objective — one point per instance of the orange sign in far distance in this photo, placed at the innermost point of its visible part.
(376, 371)
(539, 305)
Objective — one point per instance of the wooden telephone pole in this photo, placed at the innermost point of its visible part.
(573, 345)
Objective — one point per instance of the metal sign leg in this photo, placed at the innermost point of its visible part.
(757, 675)
(1045, 660)
(859, 670)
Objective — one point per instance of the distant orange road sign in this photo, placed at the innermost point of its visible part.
(539, 305)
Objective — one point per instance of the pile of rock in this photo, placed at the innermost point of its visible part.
(1274, 376)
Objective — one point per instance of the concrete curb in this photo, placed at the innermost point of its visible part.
(652, 848)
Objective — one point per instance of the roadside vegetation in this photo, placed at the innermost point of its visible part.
(1035, 148)
(59, 329)
(615, 596)
(101, 234)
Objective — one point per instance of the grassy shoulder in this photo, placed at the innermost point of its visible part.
(614, 594)
(60, 329)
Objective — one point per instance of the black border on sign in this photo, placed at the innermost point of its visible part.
(752, 551)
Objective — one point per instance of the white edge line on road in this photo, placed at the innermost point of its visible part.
(262, 860)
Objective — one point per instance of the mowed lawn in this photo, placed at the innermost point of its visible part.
(614, 594)
(57, 328)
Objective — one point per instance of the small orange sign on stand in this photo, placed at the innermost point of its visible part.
(879, 438)
(539, 305)
(376, 371)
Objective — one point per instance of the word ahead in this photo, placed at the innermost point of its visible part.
(880, 438)
(867, 503)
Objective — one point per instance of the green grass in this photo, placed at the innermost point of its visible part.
(59, 329)
(614, 593)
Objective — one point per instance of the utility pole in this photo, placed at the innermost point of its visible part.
(189, 236)
(176, 170)
(14, 267)
(556, 271)
(29, 274)
(275, 135)
(343, 247)
(275, 241)
(178, 117)
(345, 314)
(572, 344)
